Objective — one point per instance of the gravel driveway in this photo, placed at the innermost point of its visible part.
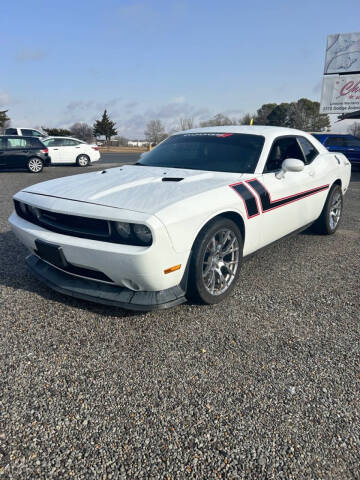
(263, 386)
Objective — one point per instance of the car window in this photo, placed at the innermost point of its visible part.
(68, 142)
(2, 143)
(30, 133)
(309, 150)
(283, 148)
(352, 142)
(11, 131)
(216, 152)
(17, 142)
(335, 142)
(53, 142)
(34, 142)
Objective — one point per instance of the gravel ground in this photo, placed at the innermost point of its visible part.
(263, 386)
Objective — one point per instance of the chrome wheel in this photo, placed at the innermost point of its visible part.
(335, 210)
(35, 165)
(83, 160)
(220, 261)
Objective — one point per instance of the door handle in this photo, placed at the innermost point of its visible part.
(77, 147)
(25, 151)
(56, 149)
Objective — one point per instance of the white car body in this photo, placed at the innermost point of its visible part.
(66, 150)
(175, 212)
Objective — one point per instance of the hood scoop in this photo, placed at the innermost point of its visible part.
(172, 179)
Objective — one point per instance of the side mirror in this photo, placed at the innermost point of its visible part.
(290, 165)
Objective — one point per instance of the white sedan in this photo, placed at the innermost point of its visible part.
(178, 224)
(71, 150)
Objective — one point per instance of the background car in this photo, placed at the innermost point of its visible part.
(346, 144)
(26, 132)
(71, 150)
(23, 152)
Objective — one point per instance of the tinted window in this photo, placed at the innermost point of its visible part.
(309, 150)
(11, 131)
(34, 142)
(283, 148)
(17, 142)
(31, 133)
(67, 142)
(2, 143)
(217, 152)
(335, 142)
(53, 142)
(352, 142)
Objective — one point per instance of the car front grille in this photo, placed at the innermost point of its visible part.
(73, 225)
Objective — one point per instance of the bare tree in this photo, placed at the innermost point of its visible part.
(155, 131)
(186, 124)
(246, 119)
(218, 120)
(354, 129)
(82, 131)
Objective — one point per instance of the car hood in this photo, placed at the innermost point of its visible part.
(134, 187)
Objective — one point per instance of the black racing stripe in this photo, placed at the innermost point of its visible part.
(267, 204)
(249, 199)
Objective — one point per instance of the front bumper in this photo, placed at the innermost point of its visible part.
(103, 293)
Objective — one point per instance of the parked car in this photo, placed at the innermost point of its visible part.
(177, 224)
(71, 150)
(344, 143)
(23, 152)
(26, 132)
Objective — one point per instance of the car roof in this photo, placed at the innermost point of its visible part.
(67, 138)
(249, 129)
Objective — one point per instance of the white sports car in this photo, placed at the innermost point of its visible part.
(178, 223)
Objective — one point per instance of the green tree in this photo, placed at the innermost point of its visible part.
(280, 116)
(261, 117)
(105, 127)
(4, 120)
(57, 132)
(304, 115)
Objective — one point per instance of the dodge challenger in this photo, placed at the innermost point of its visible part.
(177, 224)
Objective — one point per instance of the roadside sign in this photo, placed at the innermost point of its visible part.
(340, 94)
(342, 53)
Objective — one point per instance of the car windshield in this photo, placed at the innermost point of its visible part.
(217, 152)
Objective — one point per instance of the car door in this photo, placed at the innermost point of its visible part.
(55, 149)
(352, 149)
(17, 152)
(285, 202)
(70, 150)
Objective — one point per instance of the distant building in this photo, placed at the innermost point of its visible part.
(138, 143)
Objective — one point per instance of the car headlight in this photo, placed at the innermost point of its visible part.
(133, 233)
(143, 233)
(123, 229)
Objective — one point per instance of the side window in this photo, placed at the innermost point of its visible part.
(34, 142)
(309, 150)
(2, 143)
(11, 131)
(352, 142)
(335, 142)
(26, 132)
(68, 142)
(35, 133)
(283, 148)
(16, 142)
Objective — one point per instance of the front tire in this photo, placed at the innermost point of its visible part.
(35, 165)
(215, 262)
(82, 160)
(330, 217)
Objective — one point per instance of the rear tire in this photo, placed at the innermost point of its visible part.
(82, 160)
(215, 262)
(35, 165)
(330, 217)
